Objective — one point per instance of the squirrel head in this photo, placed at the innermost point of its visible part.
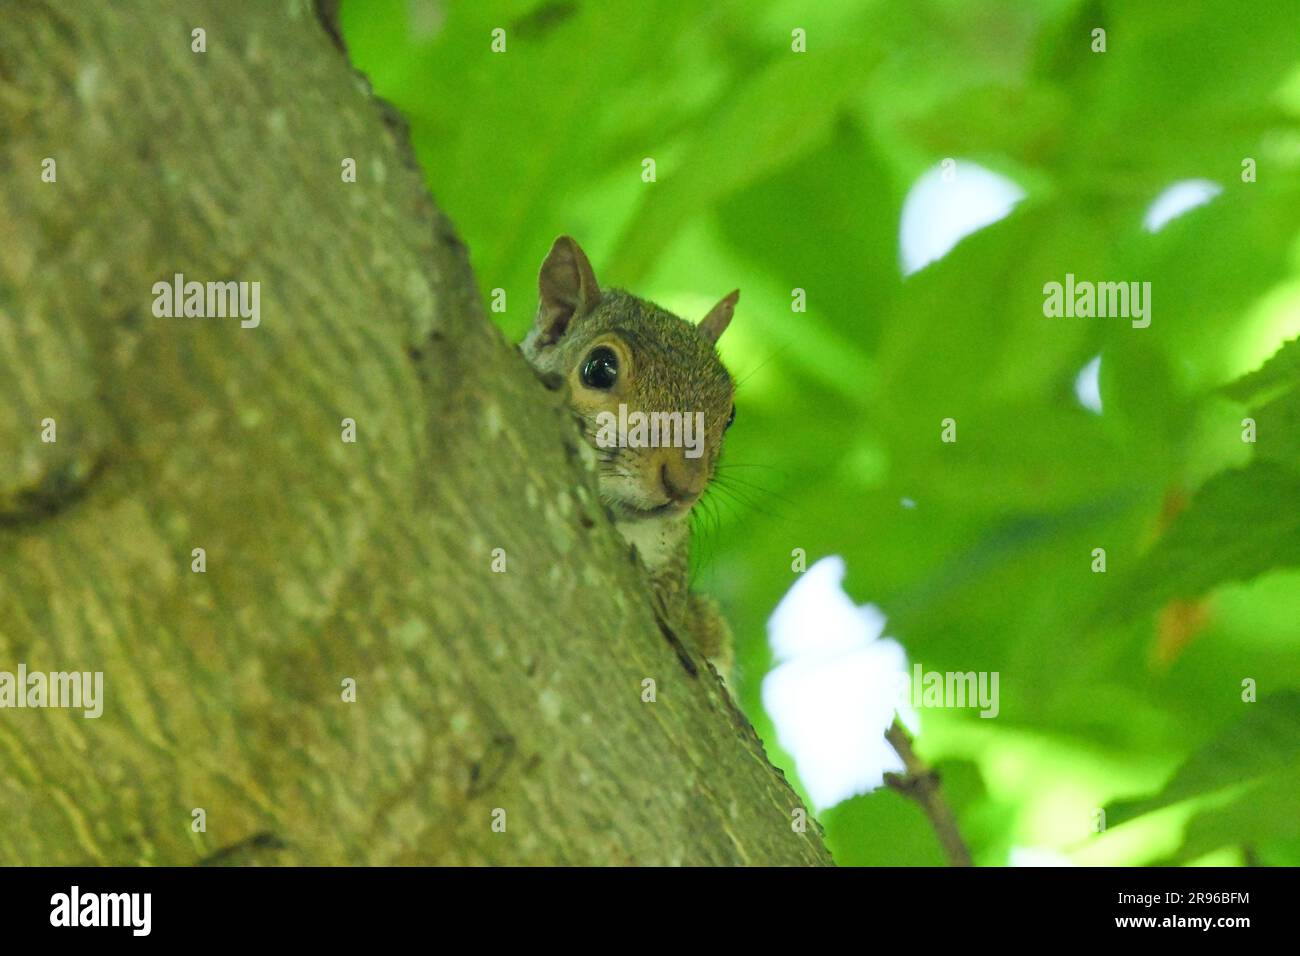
(618, 355)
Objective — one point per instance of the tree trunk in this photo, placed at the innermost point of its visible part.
(512, 697)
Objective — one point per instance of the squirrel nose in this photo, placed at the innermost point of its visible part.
(682, 477)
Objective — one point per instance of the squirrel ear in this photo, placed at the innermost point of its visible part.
(566, 288)
(715, 323)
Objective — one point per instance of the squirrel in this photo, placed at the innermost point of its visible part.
(611, 349)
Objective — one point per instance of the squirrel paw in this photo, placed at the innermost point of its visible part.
(711, 633)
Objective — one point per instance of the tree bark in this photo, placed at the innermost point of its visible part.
(476, 691)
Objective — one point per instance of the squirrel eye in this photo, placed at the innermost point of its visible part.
(601, 369)
(730, 418)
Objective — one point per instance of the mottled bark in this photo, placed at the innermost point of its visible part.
(326, 560)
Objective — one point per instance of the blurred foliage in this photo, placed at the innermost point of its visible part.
(779, 170)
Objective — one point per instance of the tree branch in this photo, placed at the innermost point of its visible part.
(920, 782)
(492, 722)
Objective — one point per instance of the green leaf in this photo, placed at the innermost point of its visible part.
(1263, 814)
(1278, 429)
(769, 120)
(1240, 524)
(1280, 372)
(1273, 390)
(1265, 741)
